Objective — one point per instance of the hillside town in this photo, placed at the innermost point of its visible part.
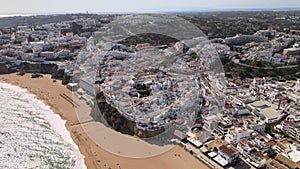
(224, 121)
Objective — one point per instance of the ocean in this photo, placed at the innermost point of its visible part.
(12, 15)
(32, 135)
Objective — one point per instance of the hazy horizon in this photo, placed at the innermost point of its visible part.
(12, 14)
(132, 6)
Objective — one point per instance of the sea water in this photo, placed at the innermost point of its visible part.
(32, 135)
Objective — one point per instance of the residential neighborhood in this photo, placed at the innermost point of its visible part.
(224, 121)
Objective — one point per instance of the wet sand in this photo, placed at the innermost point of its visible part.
(96, 157)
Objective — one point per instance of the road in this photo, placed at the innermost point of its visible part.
(202, 157)
(237, 61)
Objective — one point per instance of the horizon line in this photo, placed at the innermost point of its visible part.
(156, 11)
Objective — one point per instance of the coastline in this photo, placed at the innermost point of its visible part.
(44, 112)
(95, 157)
(14, 15)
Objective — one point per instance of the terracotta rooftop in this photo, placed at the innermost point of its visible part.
(227, 150)
(272, 143)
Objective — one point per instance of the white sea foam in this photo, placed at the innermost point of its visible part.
(31, 135)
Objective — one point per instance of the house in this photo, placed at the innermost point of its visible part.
(291, 157)
(291, 51)
(89, 86)
(227, 154)
(245, 147)
(275, 164)
(199, 137)
(63, 54)
(237, 134)
(48, 55)
(254, 150)
(257, 159)
(213, 145)
(266, 33)
(243, 39)
(72, 86)
(179, 134)
(231, 90)
(261, 81)
(24, 28)
(121, 47)
(291, 125)
(280, 146)
(179, 121)
(224, 126)
(255, 124)
(69, 34)
(241, 113)
(38, 59)
(211, 122)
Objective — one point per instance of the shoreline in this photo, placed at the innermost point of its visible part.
(56, 123)
(94, 156)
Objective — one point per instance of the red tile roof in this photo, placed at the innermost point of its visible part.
(227, 150)
(272, 143)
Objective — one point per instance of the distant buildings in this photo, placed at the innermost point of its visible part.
(261, 81)
(48, 55)
(266, 33)
(239, 127)
(291, 51)
(243, 39)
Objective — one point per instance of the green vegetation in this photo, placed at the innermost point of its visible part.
(143, 90)
(233, 70)
(75, 28)
(270, 128)
(286, 135)
(169, 60)
(65, 79)
(260, 63)
(60, 60)
(151, 38)
(227, 24)
(41, 19)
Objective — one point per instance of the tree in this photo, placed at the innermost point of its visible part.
(65, 79)
(272, 153)
(76, 28)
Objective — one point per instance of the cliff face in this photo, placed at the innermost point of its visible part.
(37, 68)
(112, 117)
(3, 68)
(148, 133)
(118, 122)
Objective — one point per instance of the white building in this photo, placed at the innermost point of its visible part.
(256, 125)
(237, 134)
(291, 51)
(48, 55)
(89, 86)
(211, 122)
(261, 81)
(266, 111)
(228, 154)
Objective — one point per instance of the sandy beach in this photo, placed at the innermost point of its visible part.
(96, 157)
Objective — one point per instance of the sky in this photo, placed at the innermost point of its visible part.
(107, 6)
